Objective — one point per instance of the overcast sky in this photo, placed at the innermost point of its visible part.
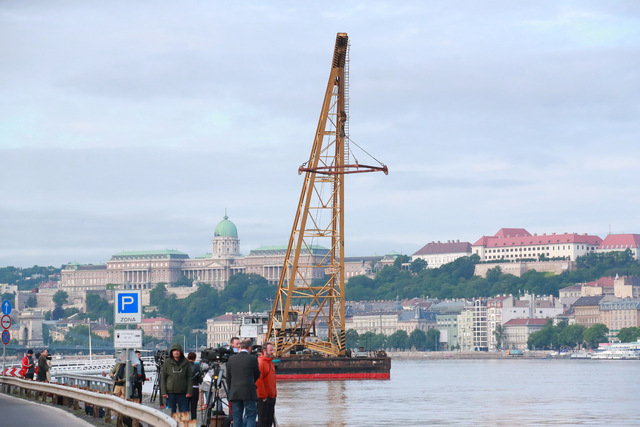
(135, 125)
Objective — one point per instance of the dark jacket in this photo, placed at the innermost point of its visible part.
(119, 375)
(43, 367)
(175, 375)
(242, 373)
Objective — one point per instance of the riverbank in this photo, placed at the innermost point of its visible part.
(417, 355)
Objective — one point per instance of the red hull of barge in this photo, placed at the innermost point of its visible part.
(333, 368)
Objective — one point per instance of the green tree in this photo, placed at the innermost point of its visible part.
(401, 259)
(629, 334)
(595, 335)
(498, 333)
(417, 265)
(572, 336)
(418, 339)
(57, 313)
(398, 340)
(60, 298)
(433, 339)
(183, 281)
(352, 338)
(157, 294)
(371, 341)
(32, 301)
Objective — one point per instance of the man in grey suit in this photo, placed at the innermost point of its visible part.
(242, 373)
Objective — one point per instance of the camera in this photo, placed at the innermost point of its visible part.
(160, 357)
(216, 355)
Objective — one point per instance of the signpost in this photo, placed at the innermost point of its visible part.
(128, 311)
(6, 335)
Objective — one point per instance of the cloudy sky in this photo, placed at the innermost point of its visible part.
(135, 125)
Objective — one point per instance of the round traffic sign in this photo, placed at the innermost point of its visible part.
(6, 322)
(6, 337)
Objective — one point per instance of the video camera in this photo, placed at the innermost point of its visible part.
(160, 357)
(216, 355)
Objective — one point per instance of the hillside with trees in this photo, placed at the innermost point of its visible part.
(456, 279)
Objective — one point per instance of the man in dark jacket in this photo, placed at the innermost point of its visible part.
(242, 373)
(43, 366)
(175, 381)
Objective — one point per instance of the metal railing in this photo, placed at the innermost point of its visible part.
(90, 382)
(99, 401)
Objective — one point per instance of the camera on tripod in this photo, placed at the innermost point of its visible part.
(215, 355)
(160, 357)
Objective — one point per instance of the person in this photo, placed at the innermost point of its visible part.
(204, 389)
(235, 344)
(138, 378)
(118, 373)
(43, 366)
(28, 367)
(242, 373)
(175, 382)
(196, 379)
(266, 386)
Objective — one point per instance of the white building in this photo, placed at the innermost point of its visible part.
(437, 254)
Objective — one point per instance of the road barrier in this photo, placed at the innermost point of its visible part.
(74, 396)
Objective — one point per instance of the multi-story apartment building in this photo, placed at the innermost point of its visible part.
(388, 322)
(436, 254)
(620, 313)
(517, 244)
(465, 329)
(480, 335)
(587, 310)
(517, 331)
(157, 327)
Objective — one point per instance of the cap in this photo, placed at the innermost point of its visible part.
(30, 351)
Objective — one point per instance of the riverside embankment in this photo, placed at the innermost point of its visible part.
(417, 355)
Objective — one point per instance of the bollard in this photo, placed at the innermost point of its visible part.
(107, 416)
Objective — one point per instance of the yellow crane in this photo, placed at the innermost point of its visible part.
(311, 286)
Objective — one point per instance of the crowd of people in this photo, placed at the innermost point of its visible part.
(250, 381)
(251, 384)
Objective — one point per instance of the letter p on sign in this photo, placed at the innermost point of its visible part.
(128, 307)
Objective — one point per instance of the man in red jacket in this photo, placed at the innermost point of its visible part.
(266, 386)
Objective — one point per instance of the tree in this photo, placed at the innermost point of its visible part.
(371, 341)
(595, 335)
(352, 338)
(399, 340)
(572, 336)
(498, 333)
(183, 281)
(432, 338)
(32, 301)
(417, 265)
(57, 313)
(401, 259)
(629, 334)
(157, 294)
(418, 339)
(60, 298)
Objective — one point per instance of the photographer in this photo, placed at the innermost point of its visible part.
(43, 366)
(138, 377)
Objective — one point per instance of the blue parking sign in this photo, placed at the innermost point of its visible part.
(128, 302)
(128, 307)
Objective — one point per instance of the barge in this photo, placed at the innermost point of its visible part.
(318, 368)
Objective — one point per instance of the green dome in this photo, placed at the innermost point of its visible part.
(226, 228)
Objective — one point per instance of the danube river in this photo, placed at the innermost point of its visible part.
(512, 392)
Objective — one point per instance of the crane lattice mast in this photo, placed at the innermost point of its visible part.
(311, 286)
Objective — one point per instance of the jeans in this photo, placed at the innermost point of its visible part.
(248, 407)
(177, 399)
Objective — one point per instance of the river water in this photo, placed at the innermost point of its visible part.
(520, 392)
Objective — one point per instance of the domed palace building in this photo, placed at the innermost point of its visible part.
(145, 269)
(223, 261)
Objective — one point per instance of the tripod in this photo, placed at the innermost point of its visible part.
(214, 401)
(156, 387)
